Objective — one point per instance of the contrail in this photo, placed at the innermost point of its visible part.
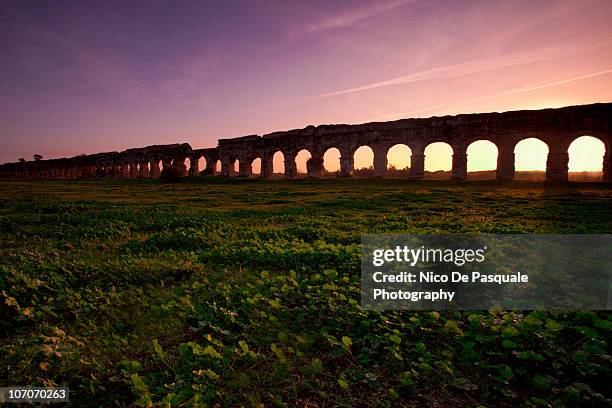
(350, 18)
(560, 82)
(500, 94)
(485, 64)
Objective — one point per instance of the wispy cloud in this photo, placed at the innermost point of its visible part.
(496, 95)
(482, 65)
(348, 18)
(78, 73)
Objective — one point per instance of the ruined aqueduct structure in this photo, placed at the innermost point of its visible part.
(556, 127)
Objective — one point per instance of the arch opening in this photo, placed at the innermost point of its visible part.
(301, 160)
(331, 162)
(438, 160)
(201, 164)
(482, 160)
(187, 163)
(363, 161)
(530, 157)
(399, 160)
(256, 167)
(586, 155)
(278, 164)
(218, 167)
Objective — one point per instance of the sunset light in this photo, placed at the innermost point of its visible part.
(305, 203)
(530, 154)
(586, 154)
(104, 77)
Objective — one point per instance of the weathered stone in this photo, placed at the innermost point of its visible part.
(155, 170)
(607, 166)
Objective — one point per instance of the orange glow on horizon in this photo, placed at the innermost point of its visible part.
(586, 154)
(399, 156)
(363, 158)
(301, 159)
(482, 156)
(438, 156)
(331, 160)
(530, 155)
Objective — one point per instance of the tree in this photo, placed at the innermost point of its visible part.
(21, 159)
(37, 157)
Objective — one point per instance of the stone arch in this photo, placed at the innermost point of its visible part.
(438, 160)
(187, 164)
(147, 167)
(256, 166)
(331, 161)
(482, 159)
(218, 166)
(399, 160)
(586, 157)
(131, 170)
(180, 163)
(143, 169)
(278, 163)
(363, 161)
(154, 169)
(301, 161)
(234, 167)
(530, 157)
(202, 163)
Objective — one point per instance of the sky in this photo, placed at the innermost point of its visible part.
(86, 77)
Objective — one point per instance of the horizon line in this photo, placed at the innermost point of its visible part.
(321, 125)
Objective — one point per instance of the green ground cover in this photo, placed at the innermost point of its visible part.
(246, 292)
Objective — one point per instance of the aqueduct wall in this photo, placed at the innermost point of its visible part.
(555, 127)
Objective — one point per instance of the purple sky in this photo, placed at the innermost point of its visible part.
(83, 77)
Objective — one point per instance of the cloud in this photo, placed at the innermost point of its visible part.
(485, 64)
(349, 18)
(73, 72)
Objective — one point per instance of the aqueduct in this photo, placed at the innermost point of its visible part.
(555, 127)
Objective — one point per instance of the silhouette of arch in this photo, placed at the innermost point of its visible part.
(256, 166)
(438, 160)
(234, 167)
(202, 163)
(363, 158)
(278, 163)
(300, 161)
(482, 160)
(586, 159)
(331, 160)
(399, 160)
(530, 157)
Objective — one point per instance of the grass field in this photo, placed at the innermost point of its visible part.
(246, 292)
